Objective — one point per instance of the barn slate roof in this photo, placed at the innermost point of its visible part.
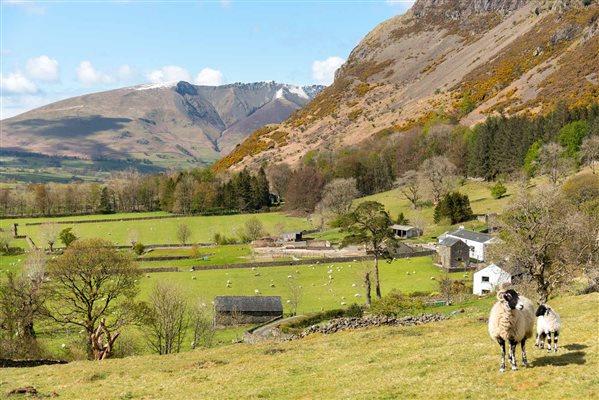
(248, 304)
(470, 235)
(450, 242)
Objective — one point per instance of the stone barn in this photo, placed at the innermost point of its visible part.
(454, 254)
(238, 310)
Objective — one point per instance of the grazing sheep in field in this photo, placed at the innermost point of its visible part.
(511, 320)
(548, 322)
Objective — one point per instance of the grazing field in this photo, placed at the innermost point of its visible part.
(453, 359)
(163, 231)
(318, 291)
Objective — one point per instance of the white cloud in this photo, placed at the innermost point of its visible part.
(17, 83)
(225, 3)
(168, 73)
(42, 68)
(29, 6)
(125, 73)
(210, 77)
(88, 75)
(323, 72)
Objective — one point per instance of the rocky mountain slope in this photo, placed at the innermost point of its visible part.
(160, 123)
(464, 58)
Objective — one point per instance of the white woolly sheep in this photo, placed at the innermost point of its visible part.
(511, 320)
(548, 322)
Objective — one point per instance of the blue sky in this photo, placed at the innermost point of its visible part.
(52, 50)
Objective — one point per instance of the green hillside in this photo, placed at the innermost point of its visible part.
(454, 359)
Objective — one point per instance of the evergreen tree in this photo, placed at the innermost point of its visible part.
(105, 203)
(454, 206)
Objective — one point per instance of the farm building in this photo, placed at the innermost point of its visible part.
(405, 231)
(296, 236)
(476, 241)
(454, 254)
(237, 310)
(489, 279)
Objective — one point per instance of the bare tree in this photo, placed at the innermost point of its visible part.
(167, 320)
(295, 294)
(338, 195)
(49, 233)
(253, 229)
(590, 151)
(133, 237)
(184, 194)
(89, 282)
(278, 176)
(409, 185)
(546, 238)
(367, 288)
(183, 233)
(439, 174)
(553, 164)
(203, 325)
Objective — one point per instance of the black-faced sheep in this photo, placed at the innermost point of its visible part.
(512, 320)
(548, 322)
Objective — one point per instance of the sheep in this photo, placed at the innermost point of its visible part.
(511, 320)
(548, 322)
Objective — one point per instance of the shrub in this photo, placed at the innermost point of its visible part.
(221, 239)
(498, 190)
(396, 304)
(139, 248)
(67, 237)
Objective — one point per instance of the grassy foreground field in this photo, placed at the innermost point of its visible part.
(454, 359)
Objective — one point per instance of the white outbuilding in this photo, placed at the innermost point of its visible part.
(490, 279)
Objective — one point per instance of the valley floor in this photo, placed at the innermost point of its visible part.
(454, 359)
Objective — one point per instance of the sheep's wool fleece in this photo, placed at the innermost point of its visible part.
(550, 322)
(512, 324)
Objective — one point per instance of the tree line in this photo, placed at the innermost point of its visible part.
(552, 144)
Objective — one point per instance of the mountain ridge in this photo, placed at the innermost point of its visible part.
(466, 59)
(162, 123)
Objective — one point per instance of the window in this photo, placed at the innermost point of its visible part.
(472, 249)
(484, 291)
(485, 279)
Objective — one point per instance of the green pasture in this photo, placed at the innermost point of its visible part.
(318, 291)
(163, 231)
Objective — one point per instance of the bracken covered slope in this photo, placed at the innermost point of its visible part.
(470, 58)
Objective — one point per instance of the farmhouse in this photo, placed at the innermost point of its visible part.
(489, 279)
(454, 254)
(405, 231)
(237, 310)
(476, 241)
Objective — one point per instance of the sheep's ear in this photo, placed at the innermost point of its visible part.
(500, 294)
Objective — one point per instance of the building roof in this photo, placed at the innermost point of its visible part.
(449, 242)
(470, 235)
(248, 304)
(402, 227)
(492, 268)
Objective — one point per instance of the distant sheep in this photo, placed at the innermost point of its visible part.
(548, 322)
(512, 320)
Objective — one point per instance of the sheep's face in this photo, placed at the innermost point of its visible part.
(542, 310)
(512, 299)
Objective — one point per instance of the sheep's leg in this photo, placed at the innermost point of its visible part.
(555, 335)
(513, 344)
(549, 342)
(502, 347)
(540, 341)
(524, 359)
